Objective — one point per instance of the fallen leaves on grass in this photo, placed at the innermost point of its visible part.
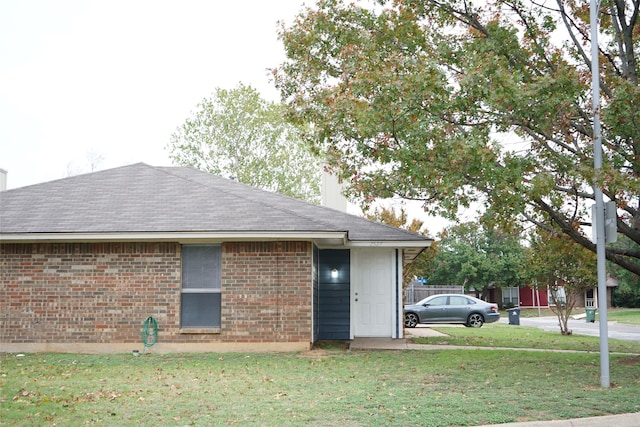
(629, 361)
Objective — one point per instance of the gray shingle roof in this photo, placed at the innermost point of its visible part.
(141, 198)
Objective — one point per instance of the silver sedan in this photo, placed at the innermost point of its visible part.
(451, 308)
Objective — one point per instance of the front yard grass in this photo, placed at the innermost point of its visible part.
(510, 336)
(322, 387)
(629, 316)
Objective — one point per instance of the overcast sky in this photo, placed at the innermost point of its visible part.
(83, 80)
(107, 82)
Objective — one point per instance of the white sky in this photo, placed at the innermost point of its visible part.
(111, 80)
(82, 79)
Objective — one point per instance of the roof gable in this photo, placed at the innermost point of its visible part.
(141, 199)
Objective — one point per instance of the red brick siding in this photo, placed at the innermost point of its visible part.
(86, 292)
(102, 292)
(266, 291)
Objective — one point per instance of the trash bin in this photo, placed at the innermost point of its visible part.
(514, 316)
(591, 315)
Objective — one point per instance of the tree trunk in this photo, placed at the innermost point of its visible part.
(563, 308)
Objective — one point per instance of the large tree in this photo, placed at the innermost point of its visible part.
(477, 258)
(236, 133)
(462, 104)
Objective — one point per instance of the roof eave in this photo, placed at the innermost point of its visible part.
(331, 238)
(390, 243)
(338, 237)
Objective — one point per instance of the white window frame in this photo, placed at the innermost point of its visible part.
(561, 295)
(510, 291)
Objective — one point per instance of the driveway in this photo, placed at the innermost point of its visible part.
(616, 330)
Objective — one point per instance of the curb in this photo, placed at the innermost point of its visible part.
(622, 420)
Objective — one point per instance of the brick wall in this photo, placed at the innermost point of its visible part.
(102, 292)
(266, 291)
(86, 292)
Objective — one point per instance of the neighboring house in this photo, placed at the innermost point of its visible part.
(220, 265)
(530, 297)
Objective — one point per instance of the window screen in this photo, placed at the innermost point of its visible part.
(201, 297)
(200, 310)
(201, 267)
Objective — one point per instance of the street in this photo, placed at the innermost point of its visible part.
(616, 330)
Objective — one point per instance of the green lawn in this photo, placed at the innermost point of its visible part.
(502, 335)
(624, 315)
(324, 387)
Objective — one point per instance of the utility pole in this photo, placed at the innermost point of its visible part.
(599, 217)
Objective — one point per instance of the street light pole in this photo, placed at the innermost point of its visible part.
(599, 217)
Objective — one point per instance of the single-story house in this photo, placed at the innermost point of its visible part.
(219, 265)
(532, 297)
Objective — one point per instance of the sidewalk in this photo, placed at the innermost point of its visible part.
(425, 331)
(622, 420)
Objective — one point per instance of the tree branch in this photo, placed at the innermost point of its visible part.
(579, 238)
(570, 25)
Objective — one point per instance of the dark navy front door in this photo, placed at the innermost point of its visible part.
(334, 294)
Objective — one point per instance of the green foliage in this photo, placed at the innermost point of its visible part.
(477, 257)
(399, 219)
(235, 133)
(556, 262)
(463, 104)
(627, 294)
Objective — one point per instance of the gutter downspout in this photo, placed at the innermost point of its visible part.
(397, 297)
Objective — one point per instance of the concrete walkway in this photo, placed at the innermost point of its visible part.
(426, 331)
(623, 420)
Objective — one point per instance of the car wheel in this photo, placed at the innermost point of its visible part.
(410, 320)
(475, 320)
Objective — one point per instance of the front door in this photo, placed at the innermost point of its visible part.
(372, 292)
(333, 320)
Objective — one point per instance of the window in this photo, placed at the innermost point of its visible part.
(200, 299)
(558, 295)
(510, 297)
(438, 301)
(459, 301)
